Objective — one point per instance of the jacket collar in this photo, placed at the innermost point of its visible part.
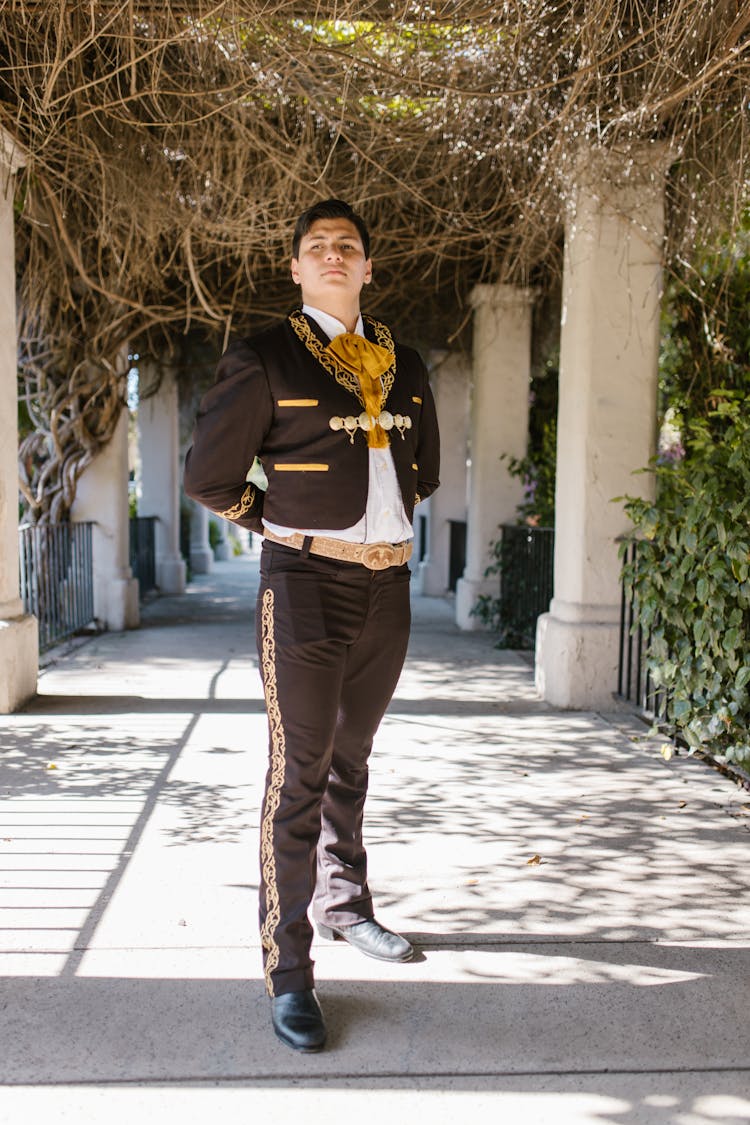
(314, 339)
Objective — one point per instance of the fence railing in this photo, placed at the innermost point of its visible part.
(143, 551)
(634, 681)
(526, 580)
(57, 578)
(456, 551)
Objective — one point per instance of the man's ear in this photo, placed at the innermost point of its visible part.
(295, 271)
(368, 271)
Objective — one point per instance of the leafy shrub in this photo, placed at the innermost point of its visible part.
(214, 534)
(537, 509)
(537, 471)
(705, 330)
(691, 580)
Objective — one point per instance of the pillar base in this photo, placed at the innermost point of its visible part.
(468, 591)
(19, 661)
(576, 661)
(431, 579)
(201, 560)
(222, 553)
(123, 609)
(171, 575)
(418, 574)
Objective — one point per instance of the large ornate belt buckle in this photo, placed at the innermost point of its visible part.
(378, 556)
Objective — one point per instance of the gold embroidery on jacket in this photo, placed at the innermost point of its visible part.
(273, 793)
(243, 505)
(297, 402)
(344, 378)
(417, 399)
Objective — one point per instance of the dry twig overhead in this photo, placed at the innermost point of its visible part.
(171, 145)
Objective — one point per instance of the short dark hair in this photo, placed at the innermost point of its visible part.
(329, 209)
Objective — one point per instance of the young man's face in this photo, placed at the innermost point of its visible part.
(331, 266)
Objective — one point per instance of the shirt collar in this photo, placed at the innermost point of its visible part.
(330, 324)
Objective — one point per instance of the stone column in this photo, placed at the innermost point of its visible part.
(607, 412)
(161, 470)
(501, 373)
(222, 550)
(19, 637)
(201, 555)
(102, 497)
(450, 377)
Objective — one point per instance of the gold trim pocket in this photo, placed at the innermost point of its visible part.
(293, 468)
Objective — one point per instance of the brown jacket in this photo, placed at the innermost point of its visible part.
(274, 398)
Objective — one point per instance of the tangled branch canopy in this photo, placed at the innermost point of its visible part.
(170, 147)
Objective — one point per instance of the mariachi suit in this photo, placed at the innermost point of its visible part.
(331, 635)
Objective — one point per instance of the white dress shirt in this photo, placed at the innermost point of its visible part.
(385, 520)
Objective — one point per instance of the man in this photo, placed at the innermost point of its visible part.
(342, 421)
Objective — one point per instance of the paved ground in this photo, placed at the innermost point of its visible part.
(606, 982)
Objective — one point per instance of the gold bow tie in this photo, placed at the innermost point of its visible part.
(368, 362)
(359, 355)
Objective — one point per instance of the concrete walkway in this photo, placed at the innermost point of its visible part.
(581, 906)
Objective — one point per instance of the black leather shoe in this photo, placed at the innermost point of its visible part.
(298, 1020)
(372, 939)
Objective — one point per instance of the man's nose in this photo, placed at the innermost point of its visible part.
(333, 254)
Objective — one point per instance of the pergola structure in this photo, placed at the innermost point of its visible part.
(155, 157)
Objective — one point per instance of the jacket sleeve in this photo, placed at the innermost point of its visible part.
(233, 418)
(428, 446)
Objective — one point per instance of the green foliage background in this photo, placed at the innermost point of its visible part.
(691, 576)
(691, 582)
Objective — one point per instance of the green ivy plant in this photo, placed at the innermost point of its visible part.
(690, 580)
(537, 472)
(537, 509)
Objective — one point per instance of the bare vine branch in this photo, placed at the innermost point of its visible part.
(171, 145)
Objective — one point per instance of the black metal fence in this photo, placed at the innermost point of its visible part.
(634, 681)
(143, 551)
(57, 578)
(457, 552)
(526, 581)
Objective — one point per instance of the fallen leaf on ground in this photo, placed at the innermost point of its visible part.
(51, 766)
(534, 859)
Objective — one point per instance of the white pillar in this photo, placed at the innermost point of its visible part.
(201, 555)
(19, 637)
(450, 377)
(607, 413)
(501, 373)
(158, 441)
(102, 497)
(222, 550)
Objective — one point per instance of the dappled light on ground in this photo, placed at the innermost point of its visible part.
(580, 905)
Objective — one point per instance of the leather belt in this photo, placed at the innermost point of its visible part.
(375, 556)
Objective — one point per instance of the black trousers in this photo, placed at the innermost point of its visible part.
(332, 639)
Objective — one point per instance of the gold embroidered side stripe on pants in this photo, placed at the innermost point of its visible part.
(273, 794)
